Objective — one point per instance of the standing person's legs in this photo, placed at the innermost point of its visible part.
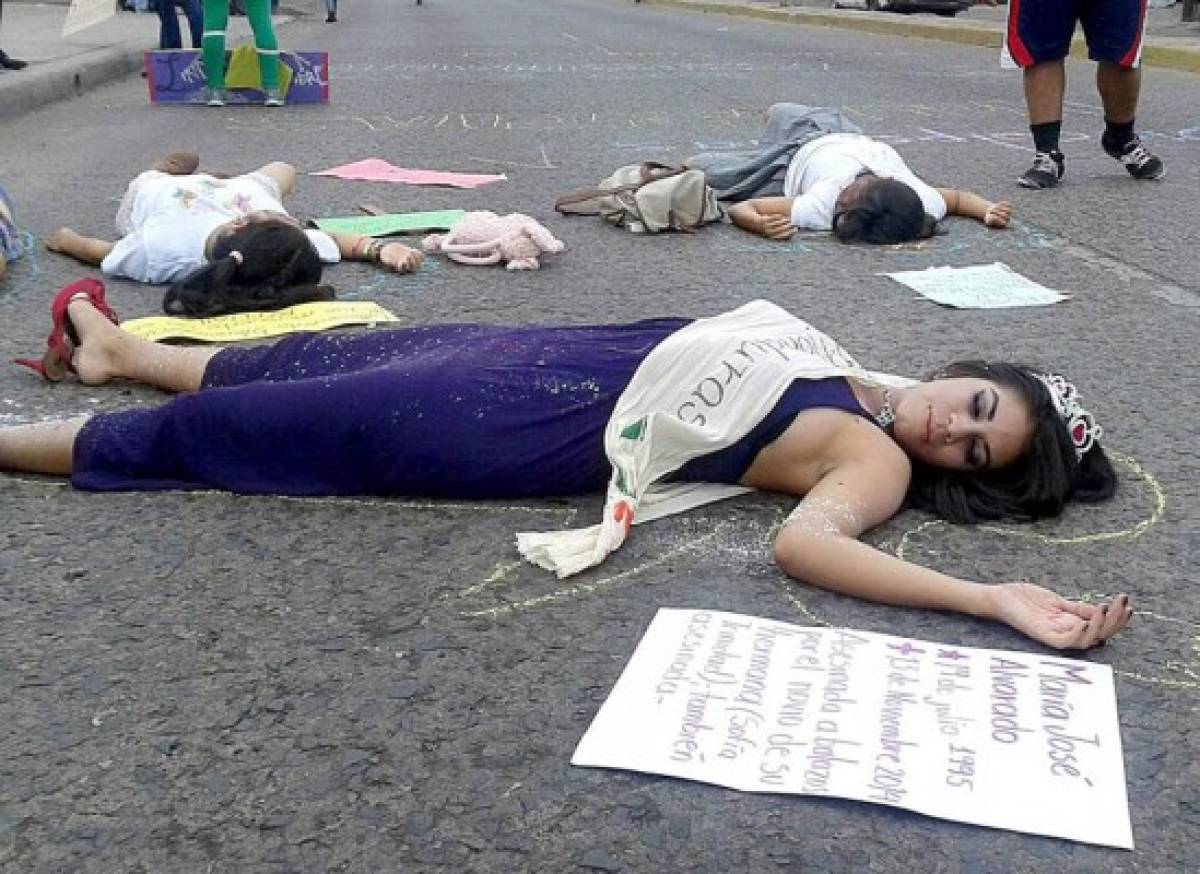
(259, 13)
(5, 61)
(330, 11)
(195, 17)
(1114, 35)
(1039, 38)
(168, 30)
(216, 20)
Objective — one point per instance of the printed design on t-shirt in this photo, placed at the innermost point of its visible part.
(185, 197)
(241, 203)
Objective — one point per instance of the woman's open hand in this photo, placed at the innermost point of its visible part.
(998, 215)
(1055, 621)
(400, 258)
(776, 227)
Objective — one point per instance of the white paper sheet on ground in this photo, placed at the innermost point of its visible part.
(84, 13)
(979, 287)
(1006, 59)
(1011, 740)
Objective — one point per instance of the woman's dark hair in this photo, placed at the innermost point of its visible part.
(887, 211)
(1038, 484)
(262, 266)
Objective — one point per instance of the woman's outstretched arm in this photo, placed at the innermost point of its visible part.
(769, 217)
(392, 256)
(818, 545)
(994, 214)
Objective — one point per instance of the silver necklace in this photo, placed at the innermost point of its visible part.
(885, 417)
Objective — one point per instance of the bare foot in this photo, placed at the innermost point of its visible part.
(62, 240)
(178, 163)
(96, 358)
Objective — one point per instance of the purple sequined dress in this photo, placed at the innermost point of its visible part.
(452, 411)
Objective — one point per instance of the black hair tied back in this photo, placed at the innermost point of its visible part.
(265, 266)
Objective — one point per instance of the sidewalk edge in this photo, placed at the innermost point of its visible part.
(887, 24)
(70, 77)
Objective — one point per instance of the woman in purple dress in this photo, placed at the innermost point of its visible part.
(474, 411)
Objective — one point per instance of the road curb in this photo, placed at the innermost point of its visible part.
(1179, 58)
(42, 84)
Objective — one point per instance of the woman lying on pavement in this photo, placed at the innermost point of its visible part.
(475, 412)
(226, 244)
(815, 170)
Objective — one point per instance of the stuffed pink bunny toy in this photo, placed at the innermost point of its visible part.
(486, 238)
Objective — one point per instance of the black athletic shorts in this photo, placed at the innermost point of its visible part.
(1041, 30)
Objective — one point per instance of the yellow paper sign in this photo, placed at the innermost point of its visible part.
(318, 316)
(244, 72)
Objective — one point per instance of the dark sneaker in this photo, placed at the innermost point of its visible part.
(1047, 169)
(11, 63)
(331, 18)
(1137, 160)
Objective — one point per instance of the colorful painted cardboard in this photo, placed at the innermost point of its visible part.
(177, 76)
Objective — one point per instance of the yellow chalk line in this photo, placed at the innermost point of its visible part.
(589, 588)
(1157, 511)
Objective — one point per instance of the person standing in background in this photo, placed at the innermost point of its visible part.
(1039, 38)
(6, 62)
(169, 36)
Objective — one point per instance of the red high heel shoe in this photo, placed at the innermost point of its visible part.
(56, 361)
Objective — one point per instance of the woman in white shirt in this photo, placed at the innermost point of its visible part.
(224, 244)
(862, 190)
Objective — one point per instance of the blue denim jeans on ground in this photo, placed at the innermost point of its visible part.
(169, 36)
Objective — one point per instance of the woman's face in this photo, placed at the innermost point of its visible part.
(964, 423)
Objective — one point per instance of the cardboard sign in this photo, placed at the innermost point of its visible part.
(978, 287)
(316, 316)
(379, 170)
(1011, 740)
(391, 223)
(83, 14)
(177, 76)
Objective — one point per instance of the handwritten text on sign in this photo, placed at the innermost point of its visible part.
(1006, 739)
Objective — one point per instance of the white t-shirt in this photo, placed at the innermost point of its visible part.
(166, 221)
(821, 169)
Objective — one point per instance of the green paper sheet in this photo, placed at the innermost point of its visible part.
(392, 223)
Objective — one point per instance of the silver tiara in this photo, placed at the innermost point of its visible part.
(1081, 424)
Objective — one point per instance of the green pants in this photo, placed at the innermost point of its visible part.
(216, 19)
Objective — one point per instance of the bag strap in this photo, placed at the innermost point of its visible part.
(592, 194)
(652, 171)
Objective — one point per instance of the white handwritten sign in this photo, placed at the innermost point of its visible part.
(82, 14)
(1011, 740)
(982, 286)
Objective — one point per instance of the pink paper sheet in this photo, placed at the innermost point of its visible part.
(378, 170)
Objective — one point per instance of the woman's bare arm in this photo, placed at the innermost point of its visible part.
(769, 217)
(392, 256)
(818, 545)
(994, 214)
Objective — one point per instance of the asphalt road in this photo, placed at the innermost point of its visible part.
(208, 683)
